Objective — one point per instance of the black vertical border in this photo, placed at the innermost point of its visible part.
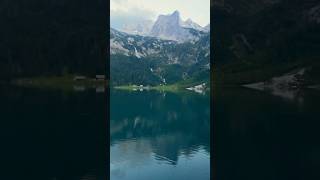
(107, 87)
(212, 122)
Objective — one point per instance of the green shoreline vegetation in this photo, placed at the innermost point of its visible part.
(171, 88)
(67, 82)
(176, 87)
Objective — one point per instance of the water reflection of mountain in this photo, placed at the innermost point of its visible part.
(167, 126)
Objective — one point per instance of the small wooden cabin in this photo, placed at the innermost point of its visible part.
(100, 77)
(79, 78)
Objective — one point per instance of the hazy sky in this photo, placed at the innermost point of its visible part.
(123, 11)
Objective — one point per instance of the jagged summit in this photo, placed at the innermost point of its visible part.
(168, 27)
(173, 28)
(191, 24)
(176, 13)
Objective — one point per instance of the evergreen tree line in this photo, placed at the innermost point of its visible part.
(53, 37)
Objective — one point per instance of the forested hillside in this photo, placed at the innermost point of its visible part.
(46, 37)
(148, 60)
(257, 40)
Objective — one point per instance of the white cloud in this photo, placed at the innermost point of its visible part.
(197, 10)
(120, 17)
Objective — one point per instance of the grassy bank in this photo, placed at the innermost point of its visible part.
(171, 88)
(57, 82)
(177, 87)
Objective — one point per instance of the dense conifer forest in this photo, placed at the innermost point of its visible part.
(256, 40)
(48, 37)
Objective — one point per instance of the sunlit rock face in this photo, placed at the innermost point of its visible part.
(171, 27)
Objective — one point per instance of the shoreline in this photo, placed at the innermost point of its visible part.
(58, 82)
(174, 88)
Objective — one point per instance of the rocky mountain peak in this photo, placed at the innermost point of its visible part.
(171, 27)
(176, 13)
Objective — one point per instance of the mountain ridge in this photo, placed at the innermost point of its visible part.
(168, 27)
(149, 60)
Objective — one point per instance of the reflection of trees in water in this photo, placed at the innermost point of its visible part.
(254, 129)
(172, 125)
(59, 131)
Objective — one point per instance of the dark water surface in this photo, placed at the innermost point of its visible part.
(50, 134)
(260, 135)
(159, 136)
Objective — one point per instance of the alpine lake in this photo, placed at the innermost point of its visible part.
(58, 134)
(159, 135)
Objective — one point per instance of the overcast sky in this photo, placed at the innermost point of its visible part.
(123, 11)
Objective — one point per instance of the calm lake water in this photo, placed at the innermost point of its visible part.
(56, 135)
(51, 134)
(157, 136)
(262, 135)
